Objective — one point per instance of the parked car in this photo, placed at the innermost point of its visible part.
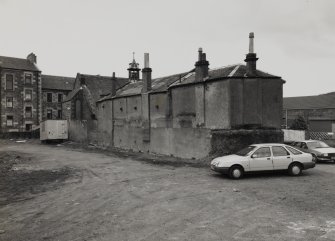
(320, 150)
(263, 157)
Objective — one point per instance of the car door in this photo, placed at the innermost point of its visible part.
(281, 158)
(261, 160)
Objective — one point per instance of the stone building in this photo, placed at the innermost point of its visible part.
(54, 91)
(318, 111)
(194, 113)
(20, 94)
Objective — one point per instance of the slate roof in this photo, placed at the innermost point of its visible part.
(310, 102)
(17, 63)
(98, 86)
(163, 83)
(57, 82)
(230, 71)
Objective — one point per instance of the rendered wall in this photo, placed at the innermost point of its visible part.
(78, 130)
(181, 142)
(183, 107)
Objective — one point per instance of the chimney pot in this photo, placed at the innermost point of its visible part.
(113, 92)
(201, 67)
(32, 58)
(251, 57)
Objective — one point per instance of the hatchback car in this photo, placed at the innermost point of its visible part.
(263, 157)
(320, 150)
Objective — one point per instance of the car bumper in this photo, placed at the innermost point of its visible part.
(223, 170)
(326, 158)
(308, 165)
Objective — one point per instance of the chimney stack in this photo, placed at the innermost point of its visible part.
(146, 74)
(32, 58)
(201, 66)
(251, 58)
(113, 92)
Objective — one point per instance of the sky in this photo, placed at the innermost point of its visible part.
(294, 39)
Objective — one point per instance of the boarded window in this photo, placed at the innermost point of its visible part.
(28, 94)
(28, 127)
(49, 97)
(9, 81)
(9, 102)
(49, 114)
(28, 111)
(28, 79)
(9, 120)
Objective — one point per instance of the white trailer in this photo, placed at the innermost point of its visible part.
(54, 130)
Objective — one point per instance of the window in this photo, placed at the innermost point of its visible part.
(245, 151)
(279, 151)
(27, 79)
(28, 94)
(60, 97)
(294, 151)
(28, 111)
(9, 81)
(9, 102)
(49, 97)
(59, 114)
(28, 127)
(262, 152)
(9, 120)
(49, 114)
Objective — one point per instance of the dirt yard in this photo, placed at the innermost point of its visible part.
(63, 193)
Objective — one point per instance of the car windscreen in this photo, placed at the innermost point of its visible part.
(245, 151)
(316, 144)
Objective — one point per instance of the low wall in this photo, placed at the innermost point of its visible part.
(78, 131)
(181, 142)
(231, 141)
(21, 135)
(294, 135)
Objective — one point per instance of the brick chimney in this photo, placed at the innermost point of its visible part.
(251, 57)
(32, 58)
(113, 92)
(201, 66)
(146, 74)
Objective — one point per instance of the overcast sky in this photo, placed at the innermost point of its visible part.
(294, 39)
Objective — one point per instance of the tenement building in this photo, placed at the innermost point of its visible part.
(20, 94)
(55, 89)
(189, 114)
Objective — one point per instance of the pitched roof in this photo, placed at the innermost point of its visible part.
(17, 63)
(97, 85)
(310, 102)
(230, 71)
(57, 82)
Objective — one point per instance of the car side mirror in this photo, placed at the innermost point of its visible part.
(254, 156)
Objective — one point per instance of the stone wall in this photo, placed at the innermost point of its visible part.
(20, 102)
(55, 106)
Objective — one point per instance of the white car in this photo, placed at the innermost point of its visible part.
(263, 157)
(320, 150)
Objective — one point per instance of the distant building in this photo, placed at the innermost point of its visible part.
(20, 94)
(54, 91)
(87, 90)
(318, 111)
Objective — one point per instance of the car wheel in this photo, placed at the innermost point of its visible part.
(315, 158)
(236, 172)
(295, 169)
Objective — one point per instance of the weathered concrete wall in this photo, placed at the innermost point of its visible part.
(159, 116)
(181, 142)
(217, 105)
(105, 123)
(256, 102)
(78, 130)
(231, 141)
(272, 103)
(294, 135)
(183, 107)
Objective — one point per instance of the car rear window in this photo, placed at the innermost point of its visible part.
(293, 150)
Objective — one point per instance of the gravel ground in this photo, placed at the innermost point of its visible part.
(66, 193)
